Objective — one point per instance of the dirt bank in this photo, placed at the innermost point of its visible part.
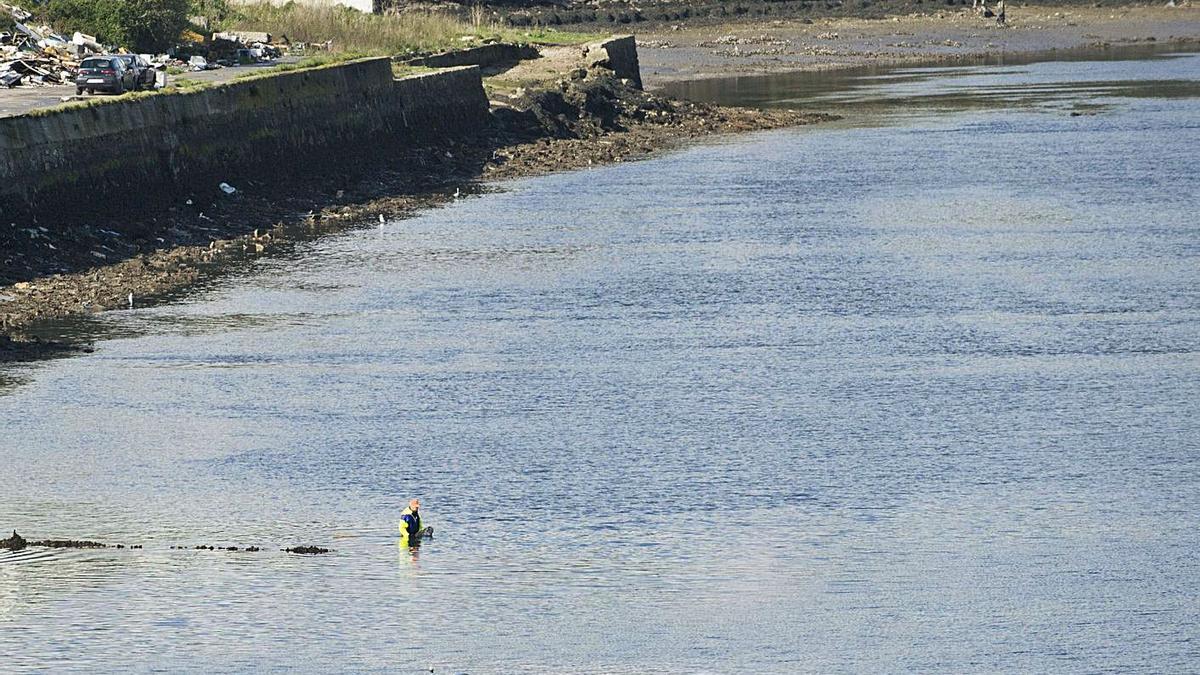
(692, 50)
(589, 117)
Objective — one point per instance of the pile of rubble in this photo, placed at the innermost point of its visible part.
(233, 48)
(36, 55)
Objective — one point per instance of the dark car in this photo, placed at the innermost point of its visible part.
(104, 73)
(143, 72)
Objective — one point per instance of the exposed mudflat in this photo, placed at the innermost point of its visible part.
(700, 49)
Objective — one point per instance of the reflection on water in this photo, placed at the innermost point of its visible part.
(912, 396)
(867, 95)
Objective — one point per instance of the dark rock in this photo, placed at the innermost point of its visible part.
(28, 349)
(67, 543)
(14, 543)
(308, 550)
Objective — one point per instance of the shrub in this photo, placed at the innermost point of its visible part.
(140, 25)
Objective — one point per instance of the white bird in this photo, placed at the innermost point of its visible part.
(130, 299)
(456, 193)
(381, 221)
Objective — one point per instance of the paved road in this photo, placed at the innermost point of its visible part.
(25, 99)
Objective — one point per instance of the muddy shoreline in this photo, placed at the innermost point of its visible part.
(589, 120)
(703, 49)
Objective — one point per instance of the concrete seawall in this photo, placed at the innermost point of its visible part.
(64, 165)
(618, 54)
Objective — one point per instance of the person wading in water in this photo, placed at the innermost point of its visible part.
(411, 531)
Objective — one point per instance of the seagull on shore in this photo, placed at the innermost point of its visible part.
(130, 299)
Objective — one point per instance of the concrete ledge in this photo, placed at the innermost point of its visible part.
(482, 56)
(618, 54)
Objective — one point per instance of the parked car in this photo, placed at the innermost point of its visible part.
(142, 70)
(104, 73)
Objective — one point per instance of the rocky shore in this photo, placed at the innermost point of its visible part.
(588, 117)
(17, 543)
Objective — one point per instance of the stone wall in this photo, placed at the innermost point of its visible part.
(63, 165)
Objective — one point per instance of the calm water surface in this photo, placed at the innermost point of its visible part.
(919, 391)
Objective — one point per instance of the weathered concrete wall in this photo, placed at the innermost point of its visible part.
(619, 54)
(66, 164)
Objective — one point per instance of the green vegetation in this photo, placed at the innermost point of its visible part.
(322, 60)
(552, 36)
(140, 25)
(400, 70)
(155, 25)
(352, 31)
(383, 34)
(180, 85)
(314, 61)
(213, 10)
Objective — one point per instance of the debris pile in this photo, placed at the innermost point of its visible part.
(33, 55)
(36, 55)
(235, 48)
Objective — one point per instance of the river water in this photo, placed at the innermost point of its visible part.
(919, 390)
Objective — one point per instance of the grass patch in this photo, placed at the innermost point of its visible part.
(318, 60)
(551, 36)
(401, 70)
(413, 32)
(353, 31)
(179, 86)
